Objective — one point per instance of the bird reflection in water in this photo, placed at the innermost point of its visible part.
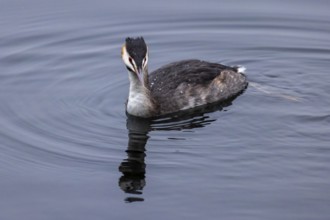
(133, 168)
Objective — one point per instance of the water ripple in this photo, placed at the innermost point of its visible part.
(63, 89)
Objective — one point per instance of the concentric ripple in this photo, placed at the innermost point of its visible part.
(63, 90)
(67, 148)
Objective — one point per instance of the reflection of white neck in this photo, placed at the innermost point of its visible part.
(139, 99)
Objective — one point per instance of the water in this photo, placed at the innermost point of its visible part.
(68, 151)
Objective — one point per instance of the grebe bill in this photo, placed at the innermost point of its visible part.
(176, 86)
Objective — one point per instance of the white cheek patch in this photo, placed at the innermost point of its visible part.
(125, 58)
(146, 58)
(145, 61)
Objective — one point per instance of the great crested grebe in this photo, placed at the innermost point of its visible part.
(176, 86)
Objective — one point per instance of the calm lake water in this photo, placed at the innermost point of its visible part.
(68, 150)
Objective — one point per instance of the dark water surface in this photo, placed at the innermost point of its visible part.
(68, 151)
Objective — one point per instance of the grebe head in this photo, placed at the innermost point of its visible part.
(135, 56)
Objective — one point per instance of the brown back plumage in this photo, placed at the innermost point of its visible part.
(189, 83)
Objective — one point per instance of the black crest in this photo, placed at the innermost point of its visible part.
(137, 49)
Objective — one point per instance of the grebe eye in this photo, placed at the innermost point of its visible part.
(130, 60)
(145, 61)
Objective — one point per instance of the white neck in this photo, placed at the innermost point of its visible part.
(139, 99)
